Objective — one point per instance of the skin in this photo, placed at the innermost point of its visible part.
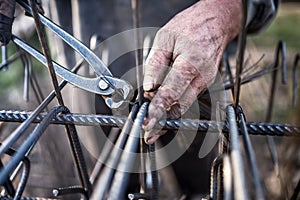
(185, 57)
(7, 7)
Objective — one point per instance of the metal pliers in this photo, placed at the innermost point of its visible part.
(115, 91)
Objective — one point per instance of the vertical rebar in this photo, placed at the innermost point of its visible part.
(154, 174)
(79, 158)
(126, 163)
(139, 51)
(259, 194)
(4, 65)
(295, 79)
(106, 176)
(240, 54)
(46, 51)
(240, 191)
(280, 54)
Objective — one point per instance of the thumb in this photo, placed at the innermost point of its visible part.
(159, 59)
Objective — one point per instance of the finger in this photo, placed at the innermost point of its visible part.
(150, 139)
(149, 95)
(158, 61)
(191, 94)
(196, 86)
(175, 84)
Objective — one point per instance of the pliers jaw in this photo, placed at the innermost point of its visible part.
(123, 93)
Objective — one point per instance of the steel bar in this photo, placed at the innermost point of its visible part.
(112, 160)
(239, 182)
(27, 144)
(135, 8)
(105, 152)
(227, 178)
(11, 59)
(228, 70)
(295, 79)
(137, 196)
(127, 159)
(138, 54)
(8, 185)
(214, 179)
(154, 174)
(27, 69)
(42, 37)
(98, 66)
(36, 87)
(4, 65)
(280, 62)
(70, 190)
(254, 128)
(26, 168)
(26, 122)
(259, 194)
(280, 53)
(78, 157)
(296, 192)
(24, 178)
(240, 54)
(29, 198)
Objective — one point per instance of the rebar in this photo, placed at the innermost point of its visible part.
(295, 79)
(154, 173)
(239, 182)
(8, 185)
(113, 158)
(240, 53)
(28, 144)
(24, 178)
(127, 159)
(280, 62)
(259, 194)
(70, 190)
(4, 64)
(254, 128)
(214, 178)
(42, 37)
(78, 157)
(30, 118)
(296, 191)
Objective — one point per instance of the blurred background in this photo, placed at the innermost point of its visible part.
(254, 99)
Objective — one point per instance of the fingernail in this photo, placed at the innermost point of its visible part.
(149, 140)
(152, 139)
(148, 86)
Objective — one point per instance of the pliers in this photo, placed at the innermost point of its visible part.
(104, 83)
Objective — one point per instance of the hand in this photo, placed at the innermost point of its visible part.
(7, 10)
(185, 57)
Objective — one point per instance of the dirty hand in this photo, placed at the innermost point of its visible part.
(184, 58)
(7, 10)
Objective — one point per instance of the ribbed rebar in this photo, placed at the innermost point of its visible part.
(30, 141)
(127, 159)
(254, 128)
(29, 198)
(239, 180)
